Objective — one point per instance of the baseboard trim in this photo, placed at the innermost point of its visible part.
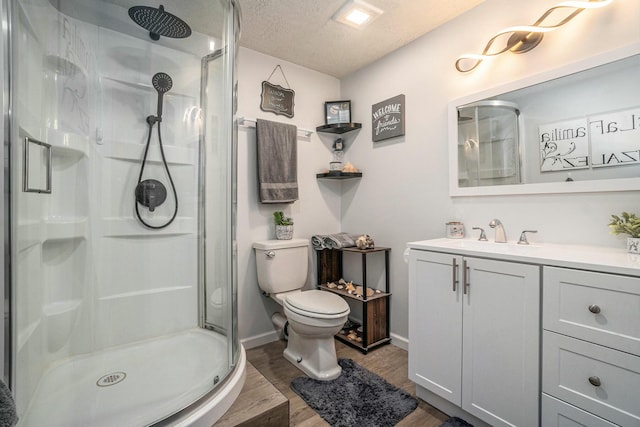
(400, 341)
(258, 340)
(267, 337)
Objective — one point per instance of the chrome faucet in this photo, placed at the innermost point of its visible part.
(501, 235)
(483, 236)
(523, 237)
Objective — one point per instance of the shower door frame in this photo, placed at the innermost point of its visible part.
(6, 323)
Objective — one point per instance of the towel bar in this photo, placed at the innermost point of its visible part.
(251, 123)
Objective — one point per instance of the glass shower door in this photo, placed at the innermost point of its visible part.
(116, 322)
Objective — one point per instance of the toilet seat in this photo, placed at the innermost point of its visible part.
(317, 304)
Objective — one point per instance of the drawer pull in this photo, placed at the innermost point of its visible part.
(595, 309)
(595, 381)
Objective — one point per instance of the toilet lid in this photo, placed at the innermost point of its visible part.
(315, 302)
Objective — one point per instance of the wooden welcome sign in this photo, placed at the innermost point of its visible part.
(387, 118)
(277, 99)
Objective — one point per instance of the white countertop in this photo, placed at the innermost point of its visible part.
(594, 258)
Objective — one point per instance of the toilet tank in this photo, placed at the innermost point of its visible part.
(282, 265)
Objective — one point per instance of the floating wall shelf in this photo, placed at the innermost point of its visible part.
(339, 128)
(339, 175)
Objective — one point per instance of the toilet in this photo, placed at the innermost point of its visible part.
(313, 316)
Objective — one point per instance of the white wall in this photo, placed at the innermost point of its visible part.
(403, 195)
(318, 207)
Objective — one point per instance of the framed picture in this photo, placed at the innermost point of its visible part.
(337, 112)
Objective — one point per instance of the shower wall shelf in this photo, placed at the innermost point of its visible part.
(52, 230)
(65, 229)
(25, 334)
(144, 86)
(339, 128)
(130, 227)
(133, 151)
(67, 142)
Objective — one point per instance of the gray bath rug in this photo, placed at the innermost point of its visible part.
(455, 422)
(356, 398)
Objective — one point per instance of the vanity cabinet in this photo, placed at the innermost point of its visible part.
(474, 333)
(591, 348)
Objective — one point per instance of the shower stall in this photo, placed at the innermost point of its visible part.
(120, 211)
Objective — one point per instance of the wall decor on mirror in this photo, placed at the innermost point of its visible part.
(277, 99)
(603, 140)
(337, 112)
(578, 131)
(564, 145)
(387, 118)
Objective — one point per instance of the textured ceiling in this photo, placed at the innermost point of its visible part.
(302, 31)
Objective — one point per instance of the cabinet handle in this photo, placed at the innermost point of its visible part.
(465, 277)
(595, 381)
(455, 274)
(595, 309)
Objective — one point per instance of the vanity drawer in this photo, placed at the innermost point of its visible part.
(556, 413)
(597, 307)
(572, 370)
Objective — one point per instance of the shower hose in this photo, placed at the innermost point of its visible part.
(151, 120)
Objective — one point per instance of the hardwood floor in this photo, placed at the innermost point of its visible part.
(389, 361)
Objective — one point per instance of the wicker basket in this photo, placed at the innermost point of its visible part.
(284, 232)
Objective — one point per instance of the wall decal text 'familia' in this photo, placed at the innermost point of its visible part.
(608, 139)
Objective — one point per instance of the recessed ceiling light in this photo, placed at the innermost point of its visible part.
(357, 13)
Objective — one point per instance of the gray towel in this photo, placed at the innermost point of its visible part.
(277, 161)
(334, 241)
(8, 414)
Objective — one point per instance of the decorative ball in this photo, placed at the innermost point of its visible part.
(365, 242)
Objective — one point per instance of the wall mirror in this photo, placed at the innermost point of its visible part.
(573, 129)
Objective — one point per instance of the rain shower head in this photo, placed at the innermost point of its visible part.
(159, 23)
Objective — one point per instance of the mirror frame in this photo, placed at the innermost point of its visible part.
(601, 185)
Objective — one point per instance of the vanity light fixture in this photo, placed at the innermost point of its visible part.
(357, 13)
(525, 37)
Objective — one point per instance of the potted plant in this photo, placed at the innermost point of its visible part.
(284, 226)
(627, 224)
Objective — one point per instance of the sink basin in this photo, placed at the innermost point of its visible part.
(489, 247)
(613, 260)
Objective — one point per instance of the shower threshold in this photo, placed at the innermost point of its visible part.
(133, 385)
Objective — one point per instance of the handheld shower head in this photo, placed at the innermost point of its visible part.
(162, 83)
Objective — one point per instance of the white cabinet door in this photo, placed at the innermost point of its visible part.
(501, 341)
(435, 324)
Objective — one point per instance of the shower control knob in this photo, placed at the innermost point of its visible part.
(270, 254)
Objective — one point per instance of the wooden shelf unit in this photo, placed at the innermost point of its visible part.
(375, 308)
